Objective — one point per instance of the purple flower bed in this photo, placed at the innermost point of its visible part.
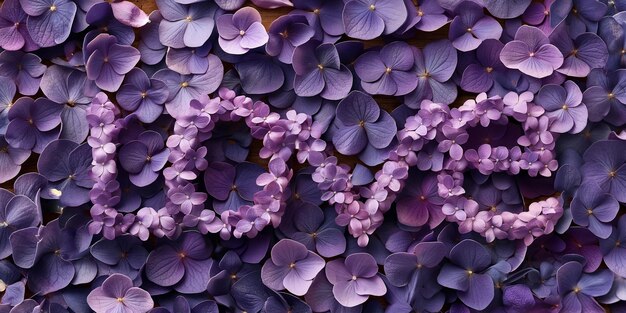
(193, 160)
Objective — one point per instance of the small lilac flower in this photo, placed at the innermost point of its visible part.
(142, 95)
(144, 158)
(23, 68)
(388, 71)
(368, 19)
(481, 158)
(108, 61)
(319, 72)
(359, 122)
(185, 25)
(354, 279)
(186, 197)
(241, 31)
(531, 53)
(291, 267)
(117, 294)
(33, 124)
(49, 22)
(593, 208)
(564, 107)
(471, 27)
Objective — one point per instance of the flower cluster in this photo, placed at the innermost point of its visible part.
(197, 156)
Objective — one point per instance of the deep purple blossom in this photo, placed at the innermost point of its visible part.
(231, 186)
(319, 72)
(605, 165)
(577, 289)
(142, 95)
(564, 107)
(33, 124)
(16, 212)
(23, 68)
(108, 62)
(144, 158)
(388, 71)
(66, 165)
(465, 273)
(359, 122)
(368, 19)
(582, 53)
(183, 264)
(470, 27)
(286, 33)
(434, 65)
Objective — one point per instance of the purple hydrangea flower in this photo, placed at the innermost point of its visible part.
(354, 279)
(421, 204)
(582, 53)
(434, 65)
(359, 122)
(595, 209)
(144, 157)
(612, 249)
(286, 33)
(578, 289)
(605, 165)
(184, 264)
(13, 31)
(241, 31)
(531, 53)
(7, 93)
(142, 95)
(479, 76)
(232, 186)
(185, 25)
(388, 71)
(124, 255)
(506, 9)
(579, 15)
(466, 274)
(428, 15)
(33, 124)
(291, 267)
(189, 60)
(564, 107)
(403, 267)
(117, 294)
(470, 27)
(319, 72)
(67, 165)
(605, 96)
(317, 233)
(325, 13)
(11, 160)
(108, 61)
(49, 22)
(368, 19)
(16, 212)
(23, 68)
